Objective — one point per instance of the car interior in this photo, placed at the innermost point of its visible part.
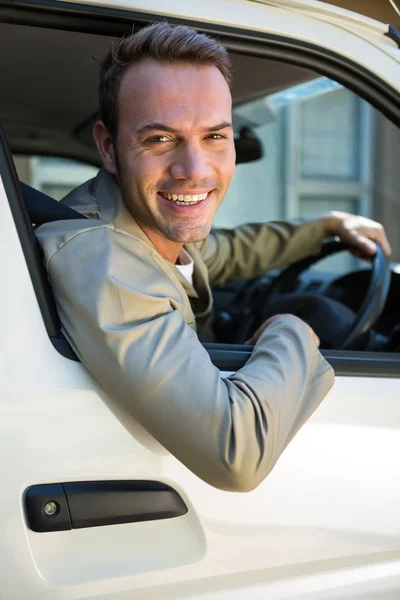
(48, 106)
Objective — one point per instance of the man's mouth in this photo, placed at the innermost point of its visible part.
(184, 199)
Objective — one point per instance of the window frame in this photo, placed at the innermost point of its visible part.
(112, 21)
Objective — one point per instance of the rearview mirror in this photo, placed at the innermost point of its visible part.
(248, 146)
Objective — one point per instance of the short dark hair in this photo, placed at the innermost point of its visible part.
(163, 42)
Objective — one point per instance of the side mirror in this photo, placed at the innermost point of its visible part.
(248, 146)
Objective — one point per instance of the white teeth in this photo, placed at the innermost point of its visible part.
(186, 198)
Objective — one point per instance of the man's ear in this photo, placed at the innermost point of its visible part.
(105, 147)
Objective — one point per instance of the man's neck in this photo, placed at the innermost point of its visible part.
(168, 250)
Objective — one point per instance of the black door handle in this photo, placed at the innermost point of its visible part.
(63, 506)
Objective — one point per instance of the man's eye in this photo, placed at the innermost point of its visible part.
(158, 139)
(216, 136)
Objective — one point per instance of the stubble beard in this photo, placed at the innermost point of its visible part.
(173, 232)
(183, 235)
(170, 229)
(190, 229)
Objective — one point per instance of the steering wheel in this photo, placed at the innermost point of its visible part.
(336, 324)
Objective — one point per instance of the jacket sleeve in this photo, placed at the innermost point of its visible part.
(251, 250)
(122, 317)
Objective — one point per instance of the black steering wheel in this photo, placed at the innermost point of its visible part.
(337, 325)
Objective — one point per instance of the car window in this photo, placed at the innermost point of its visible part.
(53, 175)
(324, 148)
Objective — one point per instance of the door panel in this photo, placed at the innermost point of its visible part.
(330, 504)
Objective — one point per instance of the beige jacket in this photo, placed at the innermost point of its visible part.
(131, 317)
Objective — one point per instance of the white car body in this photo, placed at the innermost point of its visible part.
(324, 524)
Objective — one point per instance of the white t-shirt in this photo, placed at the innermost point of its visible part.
(186, 265)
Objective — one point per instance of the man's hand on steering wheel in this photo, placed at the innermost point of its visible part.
(356, 231)
(334, 323)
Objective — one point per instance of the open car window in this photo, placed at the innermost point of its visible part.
(305, 145)
(53, 175)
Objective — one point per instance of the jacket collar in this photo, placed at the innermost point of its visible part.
(112, 206)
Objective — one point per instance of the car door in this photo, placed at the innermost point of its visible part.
(325, 523)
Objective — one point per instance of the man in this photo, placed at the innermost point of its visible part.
(132, 284)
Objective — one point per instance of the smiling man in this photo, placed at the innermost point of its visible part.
(133, 283)
(172, 151)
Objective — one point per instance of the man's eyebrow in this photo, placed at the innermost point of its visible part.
(220, 126)
(155, 126)
(168, 129)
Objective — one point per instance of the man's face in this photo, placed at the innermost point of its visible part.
(175, 148)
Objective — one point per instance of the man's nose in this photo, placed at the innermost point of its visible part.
(191, 162)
